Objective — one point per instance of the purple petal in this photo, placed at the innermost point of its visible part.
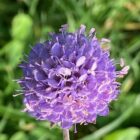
(94, 66)
(80, 61)
(82, 29)
(68, 64)
(59, 109)
(66, 124)
(53, 117)
(91, 118)
(38, 75)
(104, 112)
(52, 83)
(92, 108)
(56, 50)
(83, 77)
(64, 71)
(35, 52)
(30, 84)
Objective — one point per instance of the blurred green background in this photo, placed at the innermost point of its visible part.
(25, 22)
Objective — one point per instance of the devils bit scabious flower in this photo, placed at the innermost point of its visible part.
(70, 78)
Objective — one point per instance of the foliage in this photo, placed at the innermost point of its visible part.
(24, 22)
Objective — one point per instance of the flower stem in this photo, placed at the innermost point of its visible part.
(66, 134)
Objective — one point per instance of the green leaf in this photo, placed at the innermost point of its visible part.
(124, 134)
(19, 136)
(14, 50)
(22, 27)
(3, 137)
(43, 134)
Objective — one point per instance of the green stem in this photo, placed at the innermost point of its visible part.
(66, 134)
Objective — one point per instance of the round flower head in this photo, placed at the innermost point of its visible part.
(70, 78)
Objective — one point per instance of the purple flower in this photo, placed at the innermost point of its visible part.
(70, 78)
